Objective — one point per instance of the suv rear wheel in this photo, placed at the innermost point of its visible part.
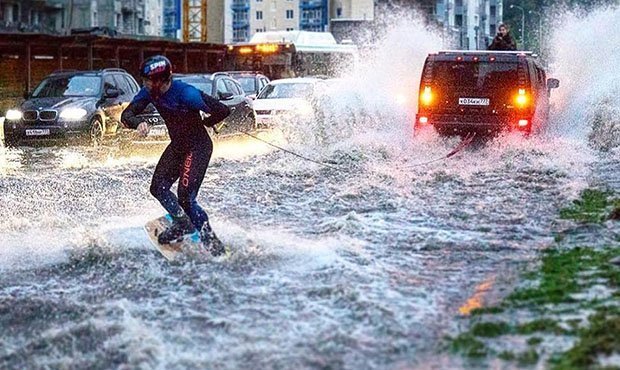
(96, 131)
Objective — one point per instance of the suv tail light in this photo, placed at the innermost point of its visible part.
(426, 97)
(521, 99)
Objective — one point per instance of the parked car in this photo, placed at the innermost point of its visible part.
(289, 98)
(251, 82)
(74, 105)
(483, 91)
(222, 86)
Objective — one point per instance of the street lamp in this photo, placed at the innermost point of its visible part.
(522, 24)
(540, 36)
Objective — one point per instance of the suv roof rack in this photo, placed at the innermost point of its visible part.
(514, 52)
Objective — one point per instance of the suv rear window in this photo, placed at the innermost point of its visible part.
(475, 75)
(59, 86)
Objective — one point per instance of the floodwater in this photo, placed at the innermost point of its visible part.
(365, 263)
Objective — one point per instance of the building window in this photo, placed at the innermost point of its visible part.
(259, 1)
(259, 15)
(458, 20)
(338, 12)
(289, 14)
(259, 30)
(274, 24)
(15, 18)
(290, 29)
(273, 4)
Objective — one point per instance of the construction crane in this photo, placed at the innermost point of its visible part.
(194, 20)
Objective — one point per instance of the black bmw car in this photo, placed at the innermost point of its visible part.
(74, 105)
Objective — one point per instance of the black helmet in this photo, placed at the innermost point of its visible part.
(157, 67)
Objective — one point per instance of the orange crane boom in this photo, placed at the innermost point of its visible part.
(194, 20)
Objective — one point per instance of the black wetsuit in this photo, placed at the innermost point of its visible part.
(187, 156)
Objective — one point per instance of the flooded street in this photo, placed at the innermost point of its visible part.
(361, 266)
(363, 263)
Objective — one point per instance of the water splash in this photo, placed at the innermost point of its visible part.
(585, 59)
(373, 103)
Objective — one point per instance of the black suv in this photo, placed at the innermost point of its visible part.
(251, 82)
(223, 87)
(72, 104)
(483, 91)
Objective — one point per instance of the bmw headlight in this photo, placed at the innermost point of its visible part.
(73, 113)
(13, 115)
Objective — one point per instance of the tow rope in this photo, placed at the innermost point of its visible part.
(462, 145)
(216, 130)
(467, 140)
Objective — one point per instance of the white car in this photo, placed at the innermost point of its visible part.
(289, 98)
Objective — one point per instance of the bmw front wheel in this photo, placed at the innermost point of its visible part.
(96, 131)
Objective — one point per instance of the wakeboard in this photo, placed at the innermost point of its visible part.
(173, 251)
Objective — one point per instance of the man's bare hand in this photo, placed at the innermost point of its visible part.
(143, 129)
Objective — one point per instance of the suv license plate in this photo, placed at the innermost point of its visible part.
(473, 101)
(38, 132)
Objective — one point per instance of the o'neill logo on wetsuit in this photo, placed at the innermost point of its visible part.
(187, 166)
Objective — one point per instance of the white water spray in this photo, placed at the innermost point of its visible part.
(586, 55)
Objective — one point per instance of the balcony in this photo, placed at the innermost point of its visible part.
(240, 6)
(237, 25)
(311, 22)
(311, 4)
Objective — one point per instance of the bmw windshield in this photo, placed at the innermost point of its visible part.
(64, 86)
(286, 91)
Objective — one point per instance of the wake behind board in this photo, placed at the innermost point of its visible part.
(172, 251)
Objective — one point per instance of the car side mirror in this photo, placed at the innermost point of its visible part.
(225, 95)
(252, 96)
(553, 83)
(111, 93)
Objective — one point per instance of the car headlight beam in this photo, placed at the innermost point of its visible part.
(13, 115)
(73, 113)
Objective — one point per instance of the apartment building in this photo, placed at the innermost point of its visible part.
(133, 17)
(471, 24)
(230, 21)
